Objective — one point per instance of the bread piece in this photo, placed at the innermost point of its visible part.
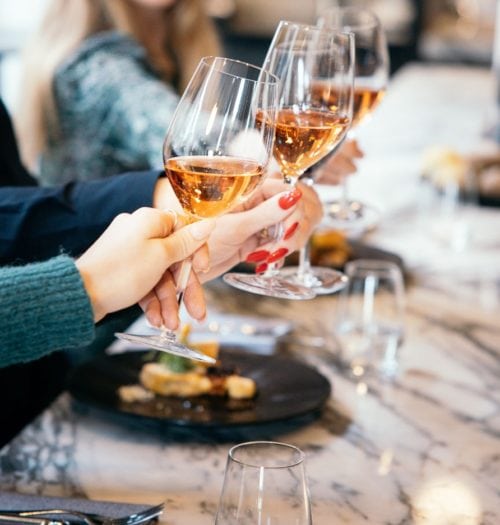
(160, 380)
(132, 393)
(239, 387)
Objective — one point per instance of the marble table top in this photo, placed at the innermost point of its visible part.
(423, 449)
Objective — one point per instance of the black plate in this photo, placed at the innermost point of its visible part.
(286, 389)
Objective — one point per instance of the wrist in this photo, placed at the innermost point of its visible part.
(90, 283)
(164, 196)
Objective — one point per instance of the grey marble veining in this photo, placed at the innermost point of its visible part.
(423, 449)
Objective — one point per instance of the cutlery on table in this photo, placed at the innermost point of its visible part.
(39, 517)
(27, 520)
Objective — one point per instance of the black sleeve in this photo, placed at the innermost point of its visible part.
(37, 223)
(12, 172)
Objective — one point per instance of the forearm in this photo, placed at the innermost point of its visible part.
(38, 223)
(44, 307)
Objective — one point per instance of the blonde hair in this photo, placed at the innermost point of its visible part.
(189, 35)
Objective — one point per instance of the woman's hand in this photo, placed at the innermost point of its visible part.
(339, 165)
(238, 235)
(133, 256)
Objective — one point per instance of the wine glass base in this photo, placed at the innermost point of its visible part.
(356, 217)
(271, 286)
(321, 280)
(159, 342)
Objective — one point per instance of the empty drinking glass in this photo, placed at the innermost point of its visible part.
(370, 318)
(264, 483)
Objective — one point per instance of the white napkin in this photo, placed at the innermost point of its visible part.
(249, 333)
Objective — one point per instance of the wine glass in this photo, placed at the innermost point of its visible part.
(264, 483)
(370, 83)
(369, 322)
(313, 65)
(215, 153)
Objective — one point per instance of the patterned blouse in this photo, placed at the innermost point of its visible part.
(113, 112)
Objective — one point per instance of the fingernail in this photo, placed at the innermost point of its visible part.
(202, 229)
(155, 322)
(261, 268)
(290, 231)
(278, 254)
(258, 256)
(289, 199)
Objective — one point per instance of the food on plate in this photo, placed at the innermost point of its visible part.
(487, 170)
(442, 166)
(170, 375)
(330, 248)
(478, 173)
(133, 393)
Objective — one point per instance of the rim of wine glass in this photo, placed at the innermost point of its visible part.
(368, 266)
(300, 455)
(312, 28)
(373, 21)
(273, 79)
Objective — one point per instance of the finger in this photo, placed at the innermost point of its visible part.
(184, 242)
(352, 149)
(201, 259)
(152, 309)
(269, 188)
(166, 293)
(297, 229)
(154, 223)
(273, 211)
(194, 298)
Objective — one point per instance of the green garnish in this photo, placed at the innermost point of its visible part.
(175, 363)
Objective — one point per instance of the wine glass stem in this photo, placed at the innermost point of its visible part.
(186, 266)
(344, 196)
(304, 269)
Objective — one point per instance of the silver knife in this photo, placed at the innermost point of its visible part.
(27, 520)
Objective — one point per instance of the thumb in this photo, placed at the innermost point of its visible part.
(184, 242)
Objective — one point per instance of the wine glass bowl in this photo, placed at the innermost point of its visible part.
(369, 322)
(221, 136)
(264, 482)
(312, 64)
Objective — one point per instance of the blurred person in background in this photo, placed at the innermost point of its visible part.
(102, 81)
(104, 78)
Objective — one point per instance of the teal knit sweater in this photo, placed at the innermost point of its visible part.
(43, 307)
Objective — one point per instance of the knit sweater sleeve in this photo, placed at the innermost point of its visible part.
(112, 112)
(43, 307)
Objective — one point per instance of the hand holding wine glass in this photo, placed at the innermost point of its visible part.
(216, 152)
(313, 65)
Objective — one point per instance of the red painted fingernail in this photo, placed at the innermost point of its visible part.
(261, 268)
(291, 230)
(278, 254)
(289, 199)
(258, 256)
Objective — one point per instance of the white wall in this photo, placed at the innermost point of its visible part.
(18, 18)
